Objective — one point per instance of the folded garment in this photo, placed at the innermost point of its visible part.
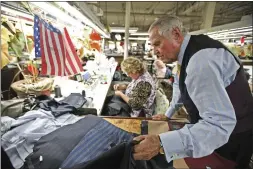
(69, 104)
(6, 123)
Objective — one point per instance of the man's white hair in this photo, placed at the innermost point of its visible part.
(167, 23)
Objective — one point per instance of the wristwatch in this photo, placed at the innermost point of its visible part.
(161, 146)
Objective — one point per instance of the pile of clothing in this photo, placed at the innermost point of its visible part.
(49, 137)
(21, 134)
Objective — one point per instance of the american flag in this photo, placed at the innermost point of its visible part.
(57, 52)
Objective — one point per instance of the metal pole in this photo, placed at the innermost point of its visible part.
(103, 45)
(127, 25)
(208, 15)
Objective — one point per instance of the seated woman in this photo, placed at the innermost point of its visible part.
(140, 92)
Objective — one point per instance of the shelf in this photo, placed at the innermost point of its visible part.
(247, 62)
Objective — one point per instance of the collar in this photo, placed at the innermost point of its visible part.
(183, 48)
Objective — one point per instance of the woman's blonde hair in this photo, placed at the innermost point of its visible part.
(132, 65)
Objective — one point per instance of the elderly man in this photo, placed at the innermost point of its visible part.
(213, 88)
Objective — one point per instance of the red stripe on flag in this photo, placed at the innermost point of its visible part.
(66, 70)
(52, 64)
(68, 57)
(43, 60)
(70, 62)
(57, 54)
(63, 53)
(77, 60)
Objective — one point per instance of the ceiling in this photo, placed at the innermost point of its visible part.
(195, 15)
(144, 13)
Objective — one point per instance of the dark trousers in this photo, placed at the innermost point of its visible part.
(238, 149)
(118, 103)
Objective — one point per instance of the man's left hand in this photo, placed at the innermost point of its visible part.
(147, 148)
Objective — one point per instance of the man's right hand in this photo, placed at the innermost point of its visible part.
(160, 117)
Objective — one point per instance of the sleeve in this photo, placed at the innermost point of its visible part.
(176, 98)
(206, 88)
(139, 95)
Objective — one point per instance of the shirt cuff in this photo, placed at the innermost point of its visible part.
(172, 145)
(170, 112)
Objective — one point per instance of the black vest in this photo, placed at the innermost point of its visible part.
(238, 91)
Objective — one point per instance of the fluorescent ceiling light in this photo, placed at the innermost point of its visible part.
(236, 31)
(83, 18)
(239, 28)
(15, 12)
(232, 37)
(122, 29)
(17, 19)
(140, 34)
(118, 37)
(138, 38)
(242, 29)
(59, 14)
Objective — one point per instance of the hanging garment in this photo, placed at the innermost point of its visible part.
(27, 130)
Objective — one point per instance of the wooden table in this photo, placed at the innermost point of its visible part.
(156, 127)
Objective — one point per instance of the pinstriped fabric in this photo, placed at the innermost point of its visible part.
(98, 140)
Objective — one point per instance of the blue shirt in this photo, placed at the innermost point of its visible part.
(18, 143)
(209, 72)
